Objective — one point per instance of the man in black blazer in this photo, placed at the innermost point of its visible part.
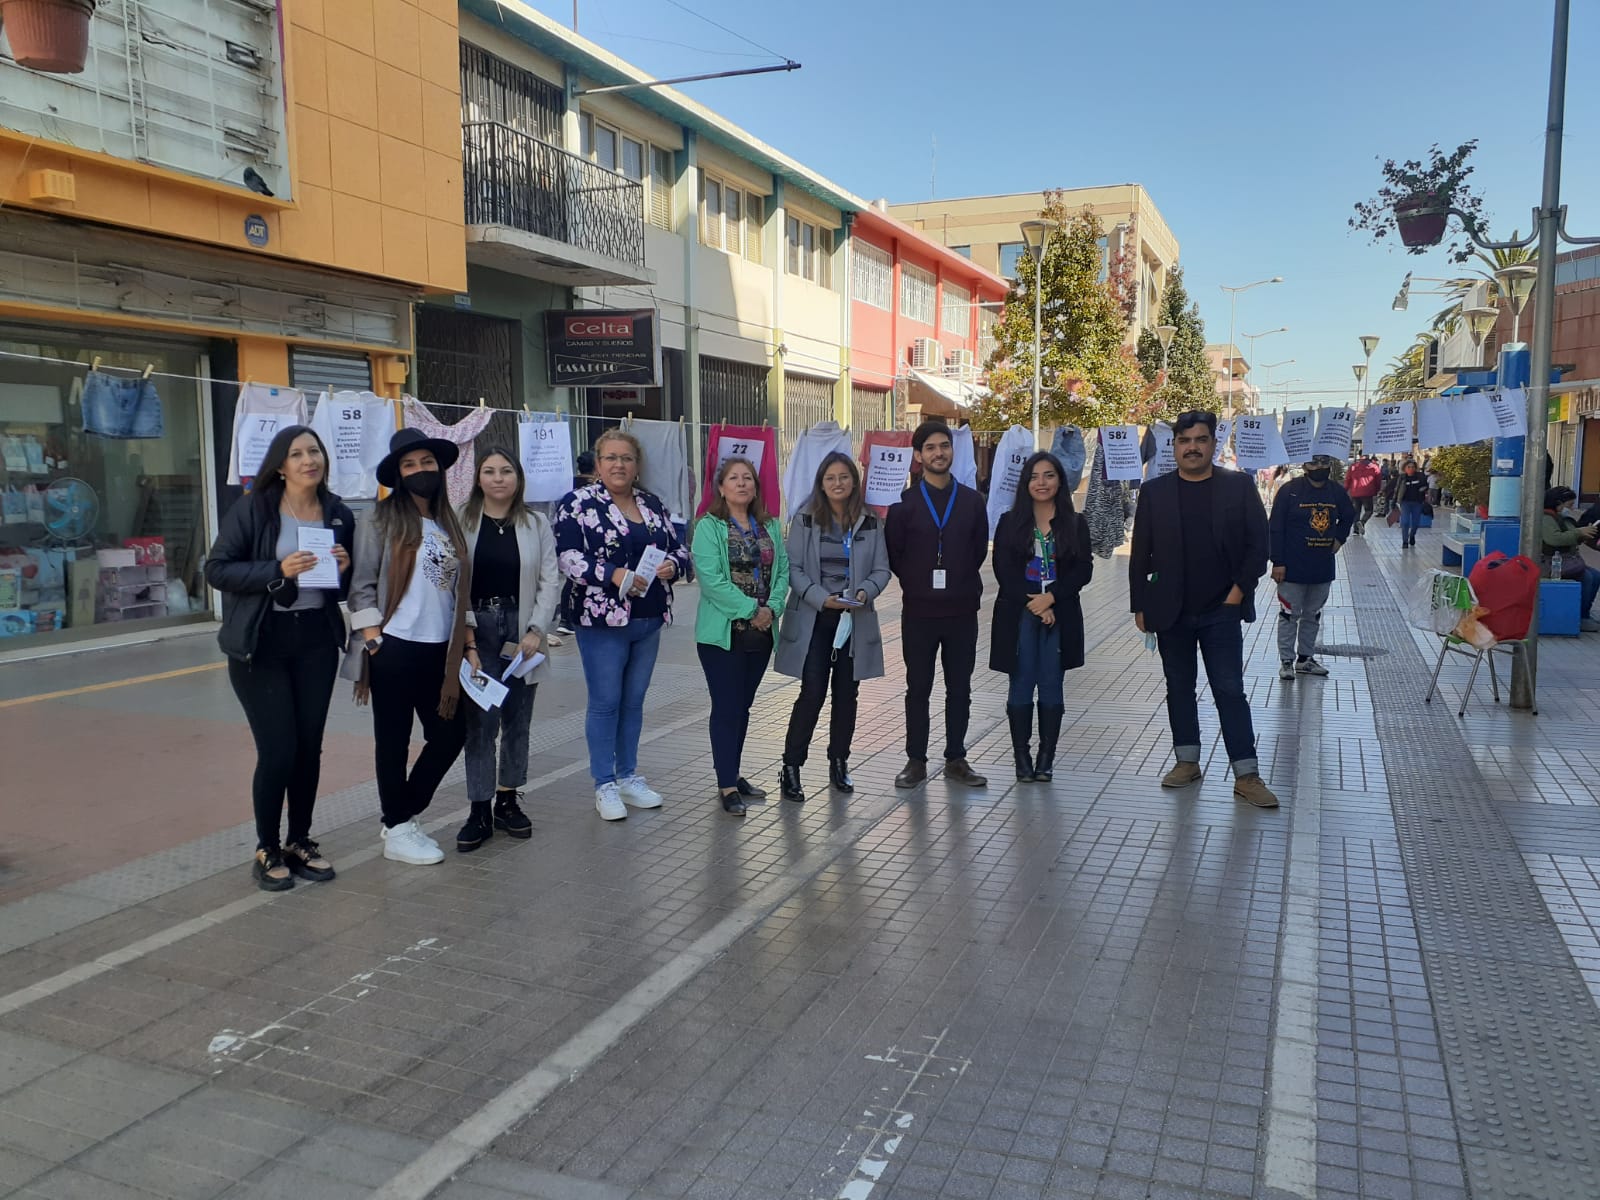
(1199, 547)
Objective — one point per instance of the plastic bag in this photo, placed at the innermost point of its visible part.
(1471, 631)
(1438, 601)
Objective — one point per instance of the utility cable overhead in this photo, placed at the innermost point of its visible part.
(725, 29)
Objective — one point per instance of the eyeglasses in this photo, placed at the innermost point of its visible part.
(626, 460)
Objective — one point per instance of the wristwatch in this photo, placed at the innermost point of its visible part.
(373, 643)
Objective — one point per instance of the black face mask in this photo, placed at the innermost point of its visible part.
(422, 483)
(1320, 475)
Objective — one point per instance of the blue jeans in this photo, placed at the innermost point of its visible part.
(1218, 636)
(1038, 666)
(617, 664)
(1410, 519)
(510, 720)
(121, 408)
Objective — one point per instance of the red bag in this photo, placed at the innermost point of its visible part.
(1509, 589)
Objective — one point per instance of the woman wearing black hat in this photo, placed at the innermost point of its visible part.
(410, 592)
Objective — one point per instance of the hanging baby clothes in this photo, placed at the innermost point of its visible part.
(356, 428)
(262, 411)
(121, 407)
(1005, 472)
(458, 479)
(759, 444)
(665, 472)
(965, 463)
(800, 473)
(1104, 508)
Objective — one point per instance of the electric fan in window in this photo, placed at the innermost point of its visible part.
(71, 510)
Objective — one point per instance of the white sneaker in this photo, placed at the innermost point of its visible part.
(408, 844)
(608, 803)
(1310, 667)
(638, 793)
(1286, 671)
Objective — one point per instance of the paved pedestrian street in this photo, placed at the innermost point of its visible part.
(1386, 988)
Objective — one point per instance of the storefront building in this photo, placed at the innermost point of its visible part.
(264, 208)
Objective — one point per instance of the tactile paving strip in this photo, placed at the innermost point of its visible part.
(1519, 1032)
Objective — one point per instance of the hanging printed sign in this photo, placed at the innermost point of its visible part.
(1224, 432)
(1163, 461)
(1388, 428)
(546, 451)
(1510, 412)
(1257, 444)
(749, 449)
(1435, 424)
(594, 346)
(888, 468)
(1121, 446)
(1335, 427)
(1474, 419)
(1297, 434)
(256, 432)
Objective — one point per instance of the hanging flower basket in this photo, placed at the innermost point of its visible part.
(1421, 220)
(48, 35)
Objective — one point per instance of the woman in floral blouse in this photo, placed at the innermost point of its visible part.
(602, 532)
(743, 569)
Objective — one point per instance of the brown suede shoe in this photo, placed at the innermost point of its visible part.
(1182, 775)
(1254, 790)
(915, 774)
(959, 770)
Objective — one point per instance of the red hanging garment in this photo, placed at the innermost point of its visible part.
(1509, 589)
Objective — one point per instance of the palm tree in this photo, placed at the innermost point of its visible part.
(1449, 320)
(1406, 378)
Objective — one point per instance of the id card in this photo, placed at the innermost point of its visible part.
(938, 579)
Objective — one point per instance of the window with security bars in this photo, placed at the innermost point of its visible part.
(916, 294)
(871, 275)
(732, 392)
(987, 319)
(955, 310)
(495, 91)
(730, 217)
(806, 400)
(870, 408)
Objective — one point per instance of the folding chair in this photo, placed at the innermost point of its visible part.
(1452, 596)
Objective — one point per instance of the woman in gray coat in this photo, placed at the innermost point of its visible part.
(838, 566)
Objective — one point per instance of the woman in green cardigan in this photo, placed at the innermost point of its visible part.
(743, 571)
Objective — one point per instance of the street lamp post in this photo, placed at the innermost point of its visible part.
(1264, 393)
(1252, 338)
(1233, 303)
(1360, 372)
(1369, 343)
(1516, 284)
(1036, 236)
(1166, 334)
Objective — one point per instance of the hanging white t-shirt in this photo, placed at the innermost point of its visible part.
(1005, 473)
(261, 413)
(964, 462)
(356, 428)
(800, 476)
(427, 610)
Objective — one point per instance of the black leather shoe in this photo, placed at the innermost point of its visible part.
(839, 775)
(478, 829)
(1020, 717)
(508, 815)
(749, 790)
(789, 784)
(958, 770)
(262, 867)
(915, 774)
(732, 803)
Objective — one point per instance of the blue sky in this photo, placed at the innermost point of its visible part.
(1254, 125)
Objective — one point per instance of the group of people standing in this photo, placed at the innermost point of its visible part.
(439, 597)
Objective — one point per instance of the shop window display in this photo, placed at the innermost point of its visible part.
(102, 499)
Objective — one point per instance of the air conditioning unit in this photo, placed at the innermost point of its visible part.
(927, 354)
(963, 365)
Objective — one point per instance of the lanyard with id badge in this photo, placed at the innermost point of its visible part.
(939, 523)
(1045, 545)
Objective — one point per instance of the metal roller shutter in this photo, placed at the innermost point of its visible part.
(313, 370)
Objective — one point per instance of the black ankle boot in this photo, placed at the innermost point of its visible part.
(1021, 718)
(839, 775)
(789, 783)
(478, 829)
(1049, 734)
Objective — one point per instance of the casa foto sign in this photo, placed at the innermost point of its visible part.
(603, 347)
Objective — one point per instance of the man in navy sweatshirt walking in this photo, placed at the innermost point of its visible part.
(1311, 520)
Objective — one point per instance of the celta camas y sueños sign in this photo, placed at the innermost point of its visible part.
(597, 347)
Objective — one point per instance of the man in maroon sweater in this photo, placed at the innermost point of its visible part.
(938, 537)
(1361, 481)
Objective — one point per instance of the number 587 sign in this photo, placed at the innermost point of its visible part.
(1121, 446)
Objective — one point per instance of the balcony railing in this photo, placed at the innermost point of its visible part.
(516, 180)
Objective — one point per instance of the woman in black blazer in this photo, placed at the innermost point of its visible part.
(1042, 560)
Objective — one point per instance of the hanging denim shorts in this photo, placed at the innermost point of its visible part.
(121, 408)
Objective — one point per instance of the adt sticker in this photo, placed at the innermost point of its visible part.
(256, 231)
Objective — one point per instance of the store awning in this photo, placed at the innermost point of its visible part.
(941, 396)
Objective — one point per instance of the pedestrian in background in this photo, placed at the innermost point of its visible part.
(743, 570)
(410, 591)
(602, 533)
(1310, 523)
(1361, 483)
(1561, 536)
(515, 587)
(282, 642)
(838, 567)
(938, 537)
(1042, 561)
(1411, 494)
(1199, 549)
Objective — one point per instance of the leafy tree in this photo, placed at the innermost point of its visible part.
(1189, 382)
(1406, 378)
(1088, 375)
(1464, 471)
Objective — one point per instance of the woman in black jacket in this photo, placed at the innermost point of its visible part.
(1042, 560)
(282, 639)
